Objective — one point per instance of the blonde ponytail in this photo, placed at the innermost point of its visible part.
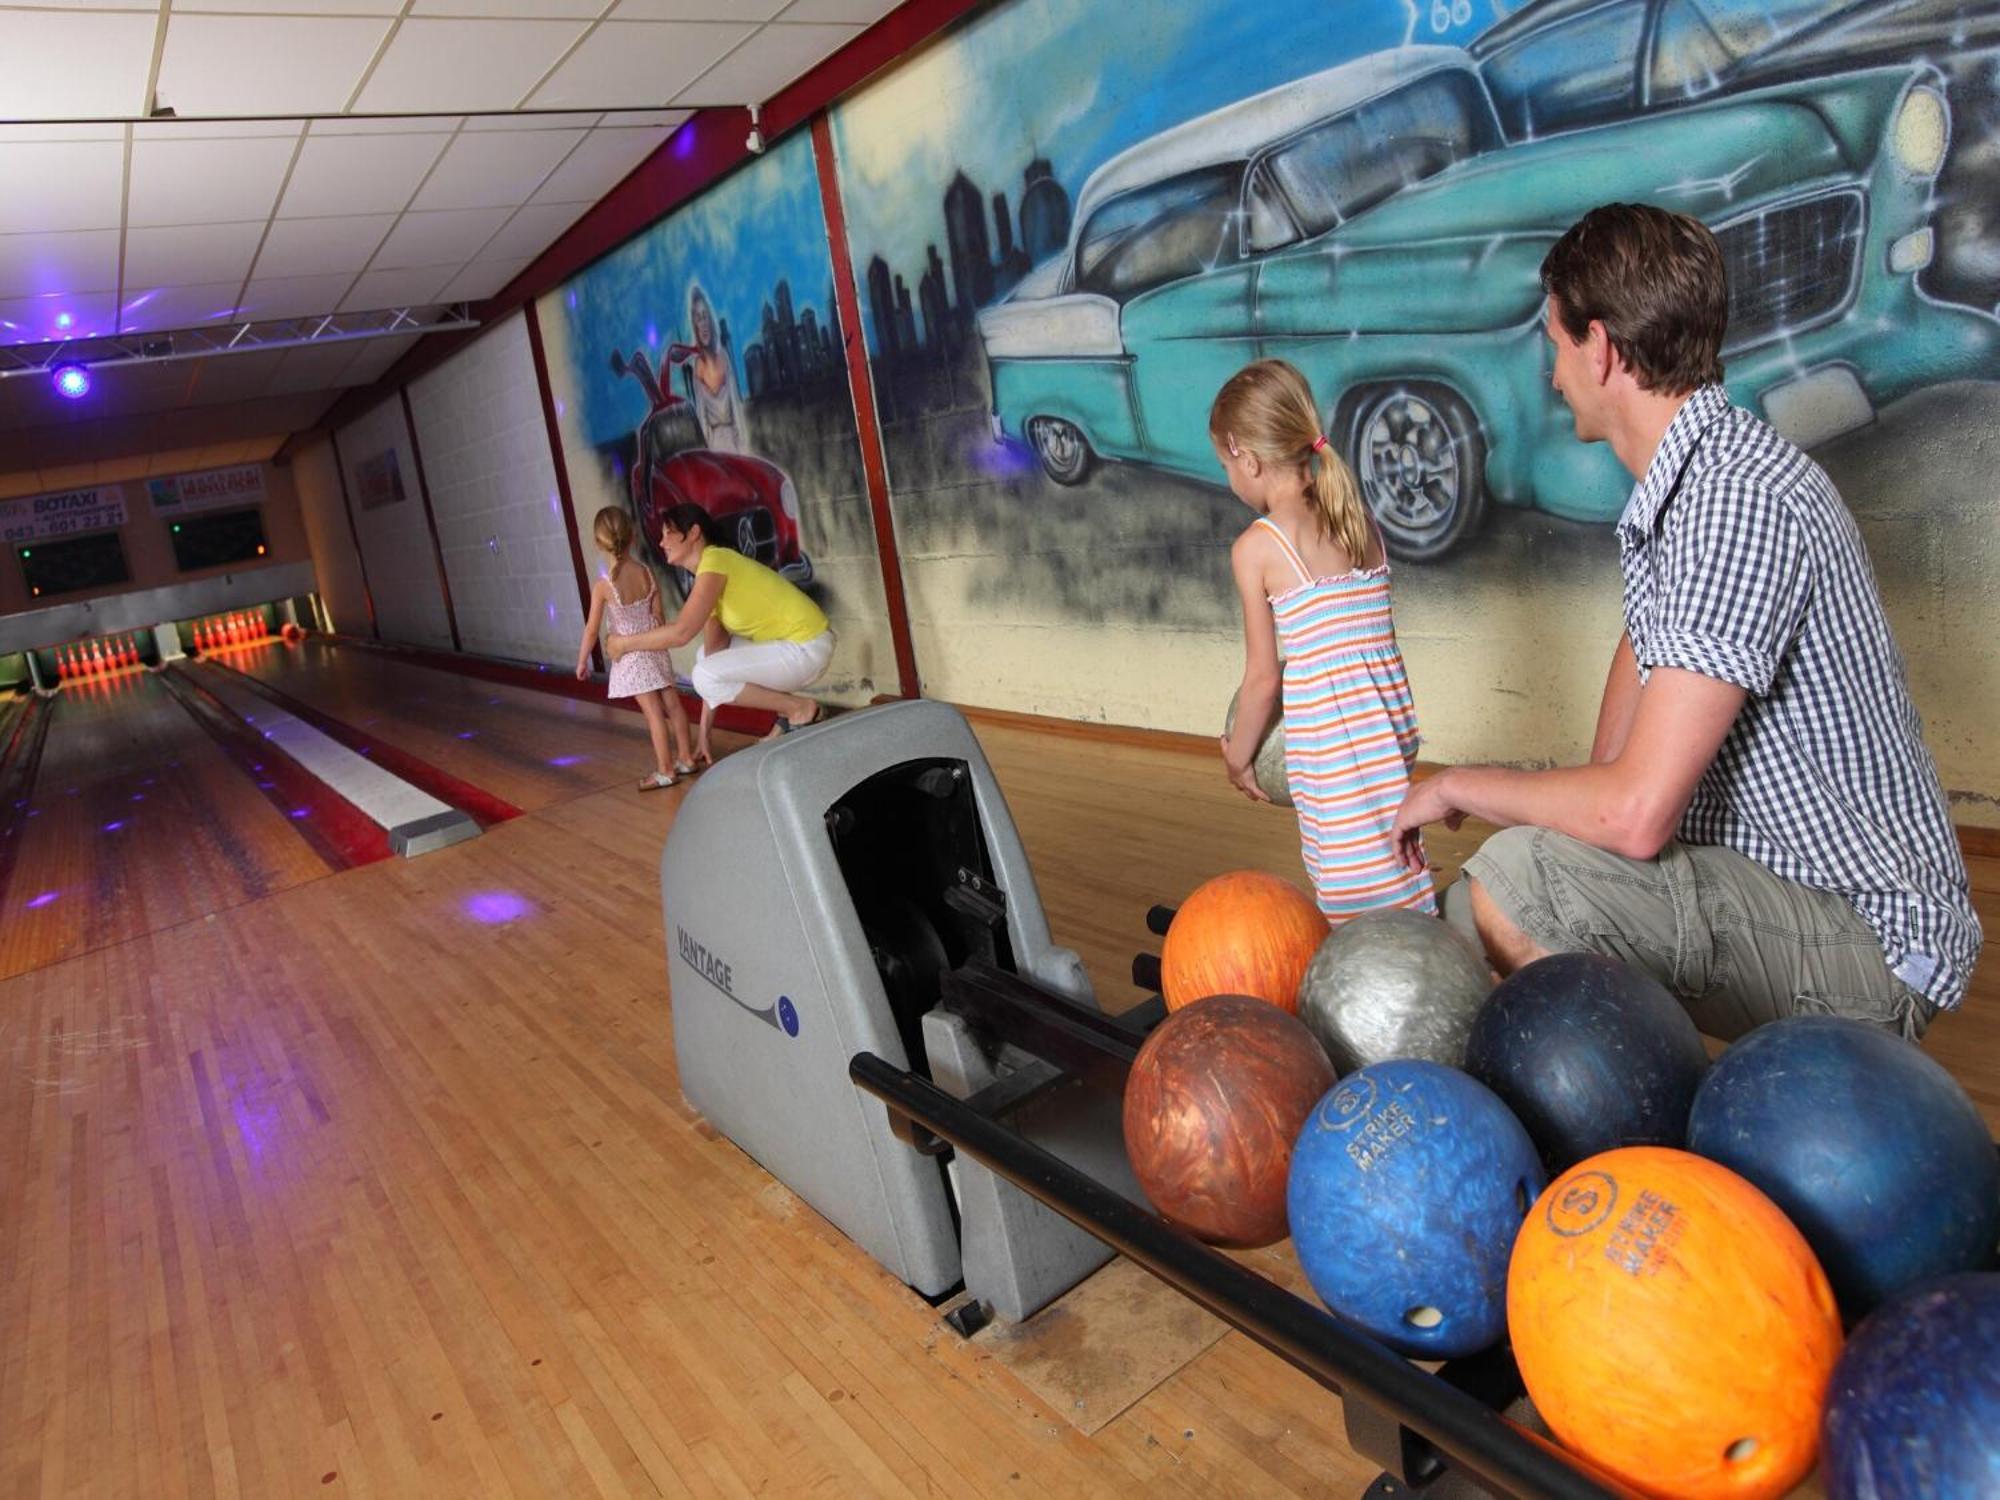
(1267, 408)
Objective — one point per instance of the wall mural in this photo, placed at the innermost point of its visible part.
(703, 362)
(1073, 222)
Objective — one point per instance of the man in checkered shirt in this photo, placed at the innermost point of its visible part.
(1760, 826)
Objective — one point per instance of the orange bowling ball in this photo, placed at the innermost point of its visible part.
(1672, 1326)
(1244, 933)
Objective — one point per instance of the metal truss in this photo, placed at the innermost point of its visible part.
(233, 338)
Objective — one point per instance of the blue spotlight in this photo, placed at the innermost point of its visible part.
(73, 382)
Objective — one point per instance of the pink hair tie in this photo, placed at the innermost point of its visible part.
(1319, 443)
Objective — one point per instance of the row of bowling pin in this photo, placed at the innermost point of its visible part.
(98, 658)
(240, 628)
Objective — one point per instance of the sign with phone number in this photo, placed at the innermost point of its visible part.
(66, 513)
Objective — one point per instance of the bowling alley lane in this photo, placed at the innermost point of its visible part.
(529, 747)
(124, 816)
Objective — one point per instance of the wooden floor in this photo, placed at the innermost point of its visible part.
(379, 1183)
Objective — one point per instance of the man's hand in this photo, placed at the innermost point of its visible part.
(1429, 801)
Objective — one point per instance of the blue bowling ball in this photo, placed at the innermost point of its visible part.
(1869, 1146)
(1407, 1187)
(1913, 1411)
(1591, 1054)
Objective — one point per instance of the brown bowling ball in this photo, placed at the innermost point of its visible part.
(1215, 1100)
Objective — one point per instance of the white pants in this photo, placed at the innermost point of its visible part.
(781, 666)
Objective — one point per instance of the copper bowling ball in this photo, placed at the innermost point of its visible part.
(1216, 1098)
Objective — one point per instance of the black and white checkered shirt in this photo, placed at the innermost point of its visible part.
(1742, 563)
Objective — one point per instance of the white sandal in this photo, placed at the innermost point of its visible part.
(658, 780)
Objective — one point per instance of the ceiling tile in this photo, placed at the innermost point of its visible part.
(181, 306)
(30, 320)
(380, 290)
(189, 253)
(312, 367)
(294, 7)
(403, 124)
(190, 130)
(50, 186)
(637, 62)
(766, 63)
(233, 377)
(482, 279)
(83, 260)
(599, 164)
(530, 120)
(43, 48)
(861, 11)
(358, 174)
(436, 239)
(466, 65)
(588, 10)
(319, 247)
(697, 10)
(374, 357)
(266, 65)
(497, 169)
(531, 231)
(206, 181)
(294, 296)
(22, 135)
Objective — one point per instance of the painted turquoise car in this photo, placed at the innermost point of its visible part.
(1370, 224)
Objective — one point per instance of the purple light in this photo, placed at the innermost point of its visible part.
(72, 381)
(38, 902)
(466, 734)
(495, 907)
(572, 301)
(567, 760)
(652, 336)
(561, 410)
(302, 812)
(114, 825)
(683, 143)
(138, 796)
(64, 320)
(552, 611)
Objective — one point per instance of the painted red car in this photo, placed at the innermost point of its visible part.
(753, 501)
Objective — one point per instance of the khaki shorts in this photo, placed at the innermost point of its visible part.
(1739, 945)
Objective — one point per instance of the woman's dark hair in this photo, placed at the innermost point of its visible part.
(687, 517)
(1657, 282)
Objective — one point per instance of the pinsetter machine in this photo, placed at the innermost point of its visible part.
(851, 922)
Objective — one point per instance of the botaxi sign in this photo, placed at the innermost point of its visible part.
(64, 513)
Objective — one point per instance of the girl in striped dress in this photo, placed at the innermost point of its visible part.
(1318, 637)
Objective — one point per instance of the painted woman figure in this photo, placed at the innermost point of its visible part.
(716, 406)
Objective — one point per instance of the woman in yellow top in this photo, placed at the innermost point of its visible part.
(762, 637)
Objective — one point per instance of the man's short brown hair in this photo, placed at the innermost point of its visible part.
(1655, 280)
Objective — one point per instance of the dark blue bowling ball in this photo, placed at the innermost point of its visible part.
(1406, 1190)
(1869, 1146)
(1913, 1411)
(1591, 1054)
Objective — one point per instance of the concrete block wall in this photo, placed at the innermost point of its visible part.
(395, 539)
(500, 518)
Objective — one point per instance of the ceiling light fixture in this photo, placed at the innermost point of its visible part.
(72, 382)
(754, 142)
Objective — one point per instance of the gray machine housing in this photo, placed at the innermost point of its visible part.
(814, 887)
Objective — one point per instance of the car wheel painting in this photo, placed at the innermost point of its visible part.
(1416, 448)
(1065, 455)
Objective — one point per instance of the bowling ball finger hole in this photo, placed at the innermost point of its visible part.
(1523, 1198)
(1423, 1317)
(1740, 1451)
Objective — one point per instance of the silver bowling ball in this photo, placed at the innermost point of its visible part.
(1393, 984)
(1270, 762)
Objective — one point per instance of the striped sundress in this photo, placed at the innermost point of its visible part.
(1350, 736)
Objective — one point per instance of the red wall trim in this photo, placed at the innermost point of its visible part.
(360, 557)
(430, 518)
(861, 386)
(705, 149)
(534, 322)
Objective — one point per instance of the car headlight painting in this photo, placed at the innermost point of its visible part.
(1922, 132)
